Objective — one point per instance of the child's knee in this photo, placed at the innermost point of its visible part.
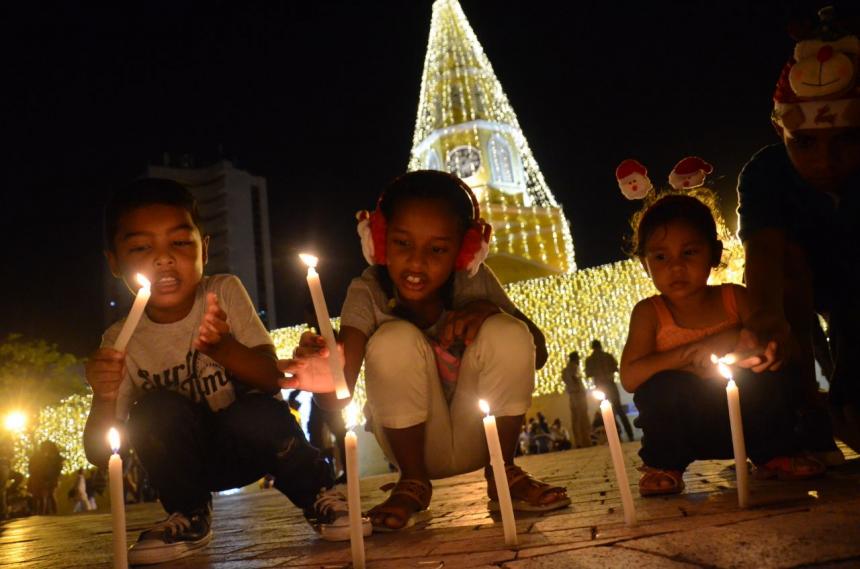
(257, 418)
(160, 407)
(662, 389)
(394, 349)
(396, 337)
(509, 336)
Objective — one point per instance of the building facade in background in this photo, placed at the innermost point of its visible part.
(467, 127)
(235, 213)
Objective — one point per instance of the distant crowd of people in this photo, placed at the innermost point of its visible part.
(36, 493)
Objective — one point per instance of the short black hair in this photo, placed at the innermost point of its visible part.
(430, 185)
(596, 344)
(143, 192)
(573, 356)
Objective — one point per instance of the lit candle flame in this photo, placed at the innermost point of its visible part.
(309, 260)
(351, 413)
(143, 281)
(113, 440)
(727, 359)
(599, 395)
(485, 407)
(723, 365)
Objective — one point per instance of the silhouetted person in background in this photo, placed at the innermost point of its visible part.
(601, 367)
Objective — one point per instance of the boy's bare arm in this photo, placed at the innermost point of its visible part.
(101, 418)
(105, 371)
(254, 366)
(765, 273)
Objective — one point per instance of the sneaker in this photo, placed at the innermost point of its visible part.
(178, 536)
(329, 516)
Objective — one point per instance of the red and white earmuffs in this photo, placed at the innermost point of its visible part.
(473, 251)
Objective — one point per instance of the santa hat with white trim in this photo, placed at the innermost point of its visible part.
(689, 173)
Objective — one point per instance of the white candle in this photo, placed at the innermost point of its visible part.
(497, 461)
(117, 503)
(353, 490)
(738, 444)
(335, 362)
(617, 457)
(140, 301)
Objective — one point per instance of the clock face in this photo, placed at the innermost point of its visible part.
(464, 161)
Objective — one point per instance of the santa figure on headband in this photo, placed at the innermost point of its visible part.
(633, 179)
(689, 173)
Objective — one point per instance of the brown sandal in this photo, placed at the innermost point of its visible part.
(527, 494)
(657, 482)
(417, 494)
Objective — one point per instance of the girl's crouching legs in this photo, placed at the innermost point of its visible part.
(500, 368)
(402, 393)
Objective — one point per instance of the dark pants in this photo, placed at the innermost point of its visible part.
(611, 392)
(320, 418)
(845, 341)
(190, 451)
(685, 417)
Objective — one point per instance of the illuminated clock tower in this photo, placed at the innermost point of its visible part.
(466, 126)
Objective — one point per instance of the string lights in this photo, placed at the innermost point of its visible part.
(466, 125)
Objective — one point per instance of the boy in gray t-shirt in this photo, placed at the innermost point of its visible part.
(196, 385)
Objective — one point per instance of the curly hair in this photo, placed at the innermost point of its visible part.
(695, 207)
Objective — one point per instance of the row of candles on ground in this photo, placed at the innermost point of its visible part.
(493, 444)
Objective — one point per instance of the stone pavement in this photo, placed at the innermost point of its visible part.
(790, 524)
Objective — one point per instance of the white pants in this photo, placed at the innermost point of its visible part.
(403, 389)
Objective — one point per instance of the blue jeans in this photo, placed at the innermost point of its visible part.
(189, 450)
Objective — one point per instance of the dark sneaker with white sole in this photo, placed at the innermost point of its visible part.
(329, 516)
(178, 536)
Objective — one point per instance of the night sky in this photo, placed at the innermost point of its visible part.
(320, 98)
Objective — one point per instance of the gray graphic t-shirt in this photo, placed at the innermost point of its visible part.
(161, 356)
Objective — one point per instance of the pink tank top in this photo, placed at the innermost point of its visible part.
(670, 335)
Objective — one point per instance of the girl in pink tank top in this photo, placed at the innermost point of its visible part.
(679, 329)
(674, 334)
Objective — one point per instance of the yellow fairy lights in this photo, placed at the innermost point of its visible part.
(64, 425)
(465, 125)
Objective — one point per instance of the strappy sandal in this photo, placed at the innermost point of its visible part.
(789, 468)
(527, 494)
(659, 482)
(416, 493)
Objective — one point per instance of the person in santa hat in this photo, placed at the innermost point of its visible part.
(799, 207)
(633, 179)
(689, 173)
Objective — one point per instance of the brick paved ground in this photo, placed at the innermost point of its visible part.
(789, 525)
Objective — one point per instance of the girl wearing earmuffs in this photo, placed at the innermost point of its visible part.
(436, 333)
